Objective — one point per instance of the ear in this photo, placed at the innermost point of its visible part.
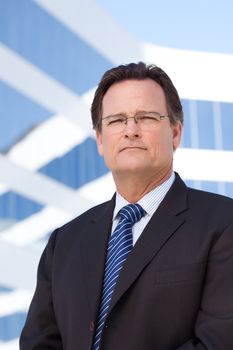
(99, 142)
(177, 133)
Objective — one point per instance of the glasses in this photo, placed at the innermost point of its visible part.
(146, 121)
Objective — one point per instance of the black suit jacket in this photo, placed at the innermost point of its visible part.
(175, 291)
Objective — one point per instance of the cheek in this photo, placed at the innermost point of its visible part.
(104, 145)
(163, 147)
(107, 150)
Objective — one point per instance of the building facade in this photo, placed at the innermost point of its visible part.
(52, 55)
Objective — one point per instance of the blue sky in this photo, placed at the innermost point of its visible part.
(203, 25)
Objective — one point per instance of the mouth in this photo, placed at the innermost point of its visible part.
(129, 148)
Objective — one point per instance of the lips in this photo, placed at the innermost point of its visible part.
(132, 148)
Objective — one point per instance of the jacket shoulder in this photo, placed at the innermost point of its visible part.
(88, 215)
(211, 205)
(212, 198)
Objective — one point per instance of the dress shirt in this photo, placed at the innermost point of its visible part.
(150, 203)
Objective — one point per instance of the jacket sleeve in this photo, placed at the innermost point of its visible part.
(214, 323)
(40, 330)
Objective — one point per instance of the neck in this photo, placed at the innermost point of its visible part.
(133, 187)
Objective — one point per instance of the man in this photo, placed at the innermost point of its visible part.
(171, 285)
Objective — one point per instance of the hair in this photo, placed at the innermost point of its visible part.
(136, 71)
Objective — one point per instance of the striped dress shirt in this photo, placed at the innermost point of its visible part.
(150, 203)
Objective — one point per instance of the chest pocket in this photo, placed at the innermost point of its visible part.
(190, 273)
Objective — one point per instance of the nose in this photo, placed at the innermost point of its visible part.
(132, 129)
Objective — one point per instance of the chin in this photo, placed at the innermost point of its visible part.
(132, 168)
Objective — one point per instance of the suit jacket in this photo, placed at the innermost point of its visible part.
(175, 291)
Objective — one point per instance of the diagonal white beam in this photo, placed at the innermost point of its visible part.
(41, 188)
(16, 301)
(22, 75)
(51, 139)
(38, 225)
(9, 345)
(35, 227)
(108, 37)
(20, 264)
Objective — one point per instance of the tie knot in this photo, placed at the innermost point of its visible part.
(132, 212)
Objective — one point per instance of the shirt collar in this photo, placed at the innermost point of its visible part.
(150, 202)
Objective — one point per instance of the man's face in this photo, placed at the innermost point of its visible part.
(133, 150)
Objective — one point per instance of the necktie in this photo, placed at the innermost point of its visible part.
(119, 246)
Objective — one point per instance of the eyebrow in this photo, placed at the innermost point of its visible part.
(123, 114)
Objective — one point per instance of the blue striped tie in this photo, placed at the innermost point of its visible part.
(119, 246)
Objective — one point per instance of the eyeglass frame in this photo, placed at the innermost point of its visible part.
(135, 117)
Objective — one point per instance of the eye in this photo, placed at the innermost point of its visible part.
(116, 120)
(147, 118)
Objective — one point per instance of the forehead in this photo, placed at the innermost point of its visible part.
(130, 96)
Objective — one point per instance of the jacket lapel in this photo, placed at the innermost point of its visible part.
(160, 228)
(94, 246)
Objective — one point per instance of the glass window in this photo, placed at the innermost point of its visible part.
(210, 186)
(227, 125)
(229, 189)
(205, 125)
(186, 138)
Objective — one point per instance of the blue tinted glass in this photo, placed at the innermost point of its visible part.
(78, 167)
(15, 206)
(4, 289)
(227, 125)
(189, 183)
(40, 38)
(11, 326)
(186, 138)
(205, 125)
(229, 189)
(18, 115)
(210, 186)
(194, 184)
